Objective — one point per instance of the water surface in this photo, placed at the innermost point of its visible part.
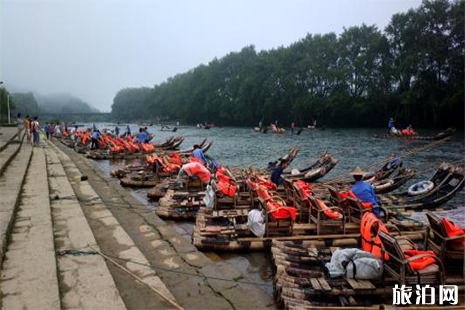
(242, 147)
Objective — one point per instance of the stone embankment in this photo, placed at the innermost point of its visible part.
(69, 241)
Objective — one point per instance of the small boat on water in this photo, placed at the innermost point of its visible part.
(273, 127)
(388, 185)
(446, 182)
(442, 135)
(320, 168)
(390, 165)
(290, 156)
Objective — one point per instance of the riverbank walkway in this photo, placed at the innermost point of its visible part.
(70, 238)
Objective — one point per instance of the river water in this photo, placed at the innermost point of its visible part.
(242, 147)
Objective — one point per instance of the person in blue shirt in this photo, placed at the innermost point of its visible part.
(364, 190)
(142, 136)
(117, 131)
(198, 153)
(276, 175)
(47, 130)
(128, 130)
(95, 136)
(390, 124)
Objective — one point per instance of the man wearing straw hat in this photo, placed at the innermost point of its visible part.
(364, 190)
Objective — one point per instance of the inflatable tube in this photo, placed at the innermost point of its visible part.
(384, 185)
(420, 188)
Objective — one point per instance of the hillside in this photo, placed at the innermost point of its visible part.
(63, 103)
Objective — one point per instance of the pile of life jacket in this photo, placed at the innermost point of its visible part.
(194, 168)
(114, 144)
(371, 242)
(225, 182)
(274, 206)
(254, 181)
(168, 163)
(408, 132)
(307, 190)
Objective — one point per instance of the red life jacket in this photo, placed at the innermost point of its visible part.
(453, 230)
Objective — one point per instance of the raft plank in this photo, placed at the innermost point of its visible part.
(315, 284)
(324, 285)
(361, 284)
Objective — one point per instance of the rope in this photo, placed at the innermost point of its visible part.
(172, 302)
(390, 158)
(107, 256)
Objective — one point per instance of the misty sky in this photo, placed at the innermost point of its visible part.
(93, 48)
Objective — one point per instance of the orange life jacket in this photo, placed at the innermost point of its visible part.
(365, 205)
(329, 213)
(372, 243)
(278, 211)
(197, 169)
(226, 184)
(276, 208)
(305, 187)
(420, 263)
(175, 158)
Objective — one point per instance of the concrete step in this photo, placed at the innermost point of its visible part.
(117, 243)
(29, 274)
(11, 184)
(8, 153)
(7, 135)
(86, 282)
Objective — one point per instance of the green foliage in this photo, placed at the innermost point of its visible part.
(413, 71)
(26, 104)
(63, 103)
(6, 97)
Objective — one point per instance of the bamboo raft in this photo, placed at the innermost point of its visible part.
(442, 135)
(169, 145)
(177, 205)
(227, 230)
(317, 170)
(301, 281)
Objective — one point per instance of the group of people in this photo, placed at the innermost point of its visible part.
(408, 131)
(361, 189)
(143, 136)
(32, 127)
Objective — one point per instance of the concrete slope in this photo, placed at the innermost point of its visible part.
(11, 184)
(115, 242)
(86, 282)
(28, 276)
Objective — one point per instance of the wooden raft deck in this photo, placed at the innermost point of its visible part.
(301, 282)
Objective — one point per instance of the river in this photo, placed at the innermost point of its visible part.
(242, 147)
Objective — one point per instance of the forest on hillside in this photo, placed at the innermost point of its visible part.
(33, 104)
(413, 71)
